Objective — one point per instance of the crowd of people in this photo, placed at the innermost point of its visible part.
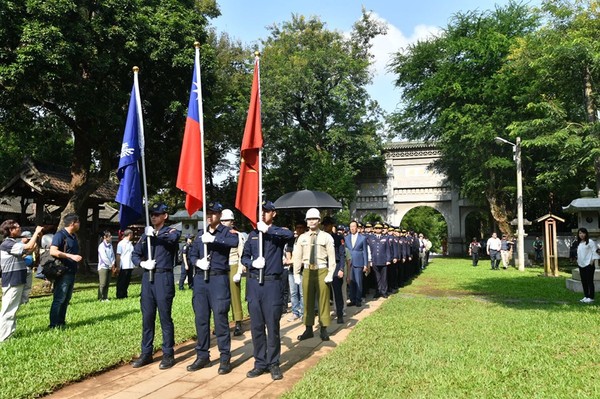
(310, 268)
(314, 266)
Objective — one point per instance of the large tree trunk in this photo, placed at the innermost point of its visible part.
(591, 116)
(81, 187)
(498, 210)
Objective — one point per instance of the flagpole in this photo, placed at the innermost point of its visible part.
(142, 143)
(261, 272)
(201, 122)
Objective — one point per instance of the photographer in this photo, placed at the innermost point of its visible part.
(14, 273)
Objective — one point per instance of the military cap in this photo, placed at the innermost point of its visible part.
(159, 208)
(214, 207)
(378, 225)
(268, 206)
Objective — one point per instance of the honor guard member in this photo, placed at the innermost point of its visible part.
(265, 300)
(381, 257)
(211, 288)
(158, 292)
(394, 234)
(235, 269)
(315, 251)
(338, 275)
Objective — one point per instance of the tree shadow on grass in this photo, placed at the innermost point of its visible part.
(92, 320)
(524, 292)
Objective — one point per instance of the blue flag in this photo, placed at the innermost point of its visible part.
(130, 193)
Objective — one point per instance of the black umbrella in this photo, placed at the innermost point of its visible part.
(307, 199)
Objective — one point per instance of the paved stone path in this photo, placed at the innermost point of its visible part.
(149, 382)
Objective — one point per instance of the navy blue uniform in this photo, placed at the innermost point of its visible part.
(381, 256)
(392, 270)
(214, 294)
(265, 302)
(158, 294)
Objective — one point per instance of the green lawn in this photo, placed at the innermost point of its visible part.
(464, 332)
(455, 332)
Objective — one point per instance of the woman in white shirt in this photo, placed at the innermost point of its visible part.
(586, 251)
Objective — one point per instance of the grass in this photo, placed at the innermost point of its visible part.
(464, 332)
(99, 336)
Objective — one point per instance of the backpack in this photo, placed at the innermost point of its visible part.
(51, 268)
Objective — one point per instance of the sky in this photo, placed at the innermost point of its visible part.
(408, 21)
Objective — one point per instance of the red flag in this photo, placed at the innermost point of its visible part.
(190, 177)
(248, 193)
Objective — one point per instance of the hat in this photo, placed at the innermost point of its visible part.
(26, 234)
(159, 208)
(268, 206)
(386, 226)
(368, 224)
(359, 224)
(327, 220)
(341, 227)
(227, 215)
(378, 225)
(313, 213)
(214, 207)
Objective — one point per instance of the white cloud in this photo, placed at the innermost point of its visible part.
(384, 47)
(395, 40)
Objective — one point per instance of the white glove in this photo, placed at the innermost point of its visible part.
(237, 277)
(149, 231)
(297, 279)
(203, 264)
(262, 227)
(148, 264)
(329, 278)
(258, 263)
(207, 238)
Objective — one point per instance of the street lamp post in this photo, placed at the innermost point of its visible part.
(520, 230)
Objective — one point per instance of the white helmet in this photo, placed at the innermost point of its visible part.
(227, 214)
(313, 213)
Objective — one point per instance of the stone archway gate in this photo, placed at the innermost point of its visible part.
(409, 183)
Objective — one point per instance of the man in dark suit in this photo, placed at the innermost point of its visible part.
(357, 244)
(381, 258)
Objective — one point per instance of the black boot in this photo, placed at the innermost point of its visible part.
(198, 364)
(167, 362)
(141, 361)
(324, 334)
(308, 333)
(238, 329)
(225, 367)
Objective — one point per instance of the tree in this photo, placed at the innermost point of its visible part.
(555, 68)
(66, 66)
(455, 95)
(319, 123)
(429, 222)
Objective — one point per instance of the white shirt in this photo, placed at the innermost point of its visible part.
(585, 253)
(106, 255)
(494, 244)
(125, 249)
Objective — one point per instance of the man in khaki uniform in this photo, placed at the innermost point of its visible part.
(314, 253)
(235, 273)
